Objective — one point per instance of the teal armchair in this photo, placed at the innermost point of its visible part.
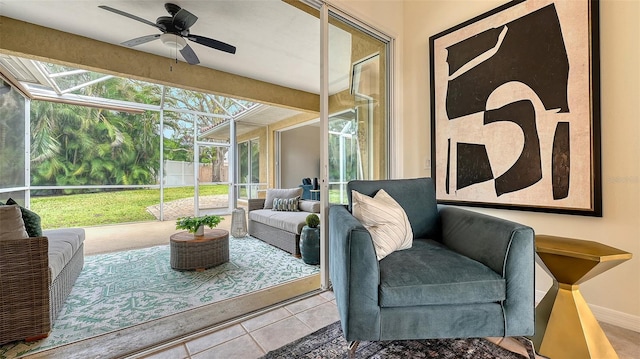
(466, 275)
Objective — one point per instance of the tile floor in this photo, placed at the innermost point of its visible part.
(256, 336)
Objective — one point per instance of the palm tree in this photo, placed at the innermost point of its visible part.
(12, 165)
(74, 145)
(81, 145)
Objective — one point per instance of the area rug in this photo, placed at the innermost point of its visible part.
(329, 342)
(122, 289)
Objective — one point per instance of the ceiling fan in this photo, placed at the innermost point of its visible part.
(175, 29)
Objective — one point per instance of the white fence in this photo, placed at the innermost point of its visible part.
(178, 173)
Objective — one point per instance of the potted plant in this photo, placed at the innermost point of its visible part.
(196, 225)
(310, 240)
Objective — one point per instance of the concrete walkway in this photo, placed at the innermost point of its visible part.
(185, 206)
(125, 236)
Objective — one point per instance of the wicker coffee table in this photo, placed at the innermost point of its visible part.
(189, 252)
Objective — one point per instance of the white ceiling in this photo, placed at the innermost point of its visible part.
(275, 42)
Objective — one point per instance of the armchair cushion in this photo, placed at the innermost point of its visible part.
(416, 196)
(432, 274)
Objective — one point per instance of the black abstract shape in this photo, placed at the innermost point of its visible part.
(473, 165)
(469, 49)
(527, 170)
(532, 52)
(561, 161)
(447, 179)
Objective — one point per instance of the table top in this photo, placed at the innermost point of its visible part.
(578, 248)
(209, 235)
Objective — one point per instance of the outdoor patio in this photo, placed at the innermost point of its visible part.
(126, 236)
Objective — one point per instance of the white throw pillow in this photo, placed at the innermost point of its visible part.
(11, 223)
(385, 219)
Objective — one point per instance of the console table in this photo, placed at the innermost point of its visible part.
(565, 326)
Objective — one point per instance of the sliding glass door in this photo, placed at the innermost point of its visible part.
(358, 105)
(354, 111)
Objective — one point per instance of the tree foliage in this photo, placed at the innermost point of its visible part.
(11, 138)
(77, 145)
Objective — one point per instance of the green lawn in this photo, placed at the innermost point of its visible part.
(93, 209)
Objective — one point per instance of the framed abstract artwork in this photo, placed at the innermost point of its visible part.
(515, 109)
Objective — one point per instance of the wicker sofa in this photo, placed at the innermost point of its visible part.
(36, 276)
(279, 228)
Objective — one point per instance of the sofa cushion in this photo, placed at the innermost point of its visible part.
(280, 193)
(32, 222)
(430, 274)
(287, 221)
(387, 222)
(63, 244)
(310, 206)
(11, 223)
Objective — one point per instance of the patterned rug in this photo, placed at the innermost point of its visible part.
(328, 342)
(122, 289)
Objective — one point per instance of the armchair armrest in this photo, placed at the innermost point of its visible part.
(24, 288)
(504, 246)
(355, 275)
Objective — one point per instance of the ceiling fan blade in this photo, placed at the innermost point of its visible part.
(183, 19)
(140, 40)
(214, 44)
(189, 55)
(130, 16)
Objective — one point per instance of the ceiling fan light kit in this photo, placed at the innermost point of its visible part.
(173, 41)
(175, 32)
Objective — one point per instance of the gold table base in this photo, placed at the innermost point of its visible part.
(565, 325)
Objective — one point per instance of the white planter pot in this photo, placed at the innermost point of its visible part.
(199, 231)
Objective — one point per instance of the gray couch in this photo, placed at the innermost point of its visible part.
(279, 228)
(36, 276)
(466, 275)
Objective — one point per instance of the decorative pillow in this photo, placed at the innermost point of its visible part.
(32, 221)
(286, 204)
(11, 223)
(281, 193)
(385, 219)
(309, 206)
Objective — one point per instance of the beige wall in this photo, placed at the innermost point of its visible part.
(300, 155)
(614, 295)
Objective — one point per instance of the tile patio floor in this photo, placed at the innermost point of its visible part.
(254, 337)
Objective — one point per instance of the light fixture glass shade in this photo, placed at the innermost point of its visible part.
(173, 41)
